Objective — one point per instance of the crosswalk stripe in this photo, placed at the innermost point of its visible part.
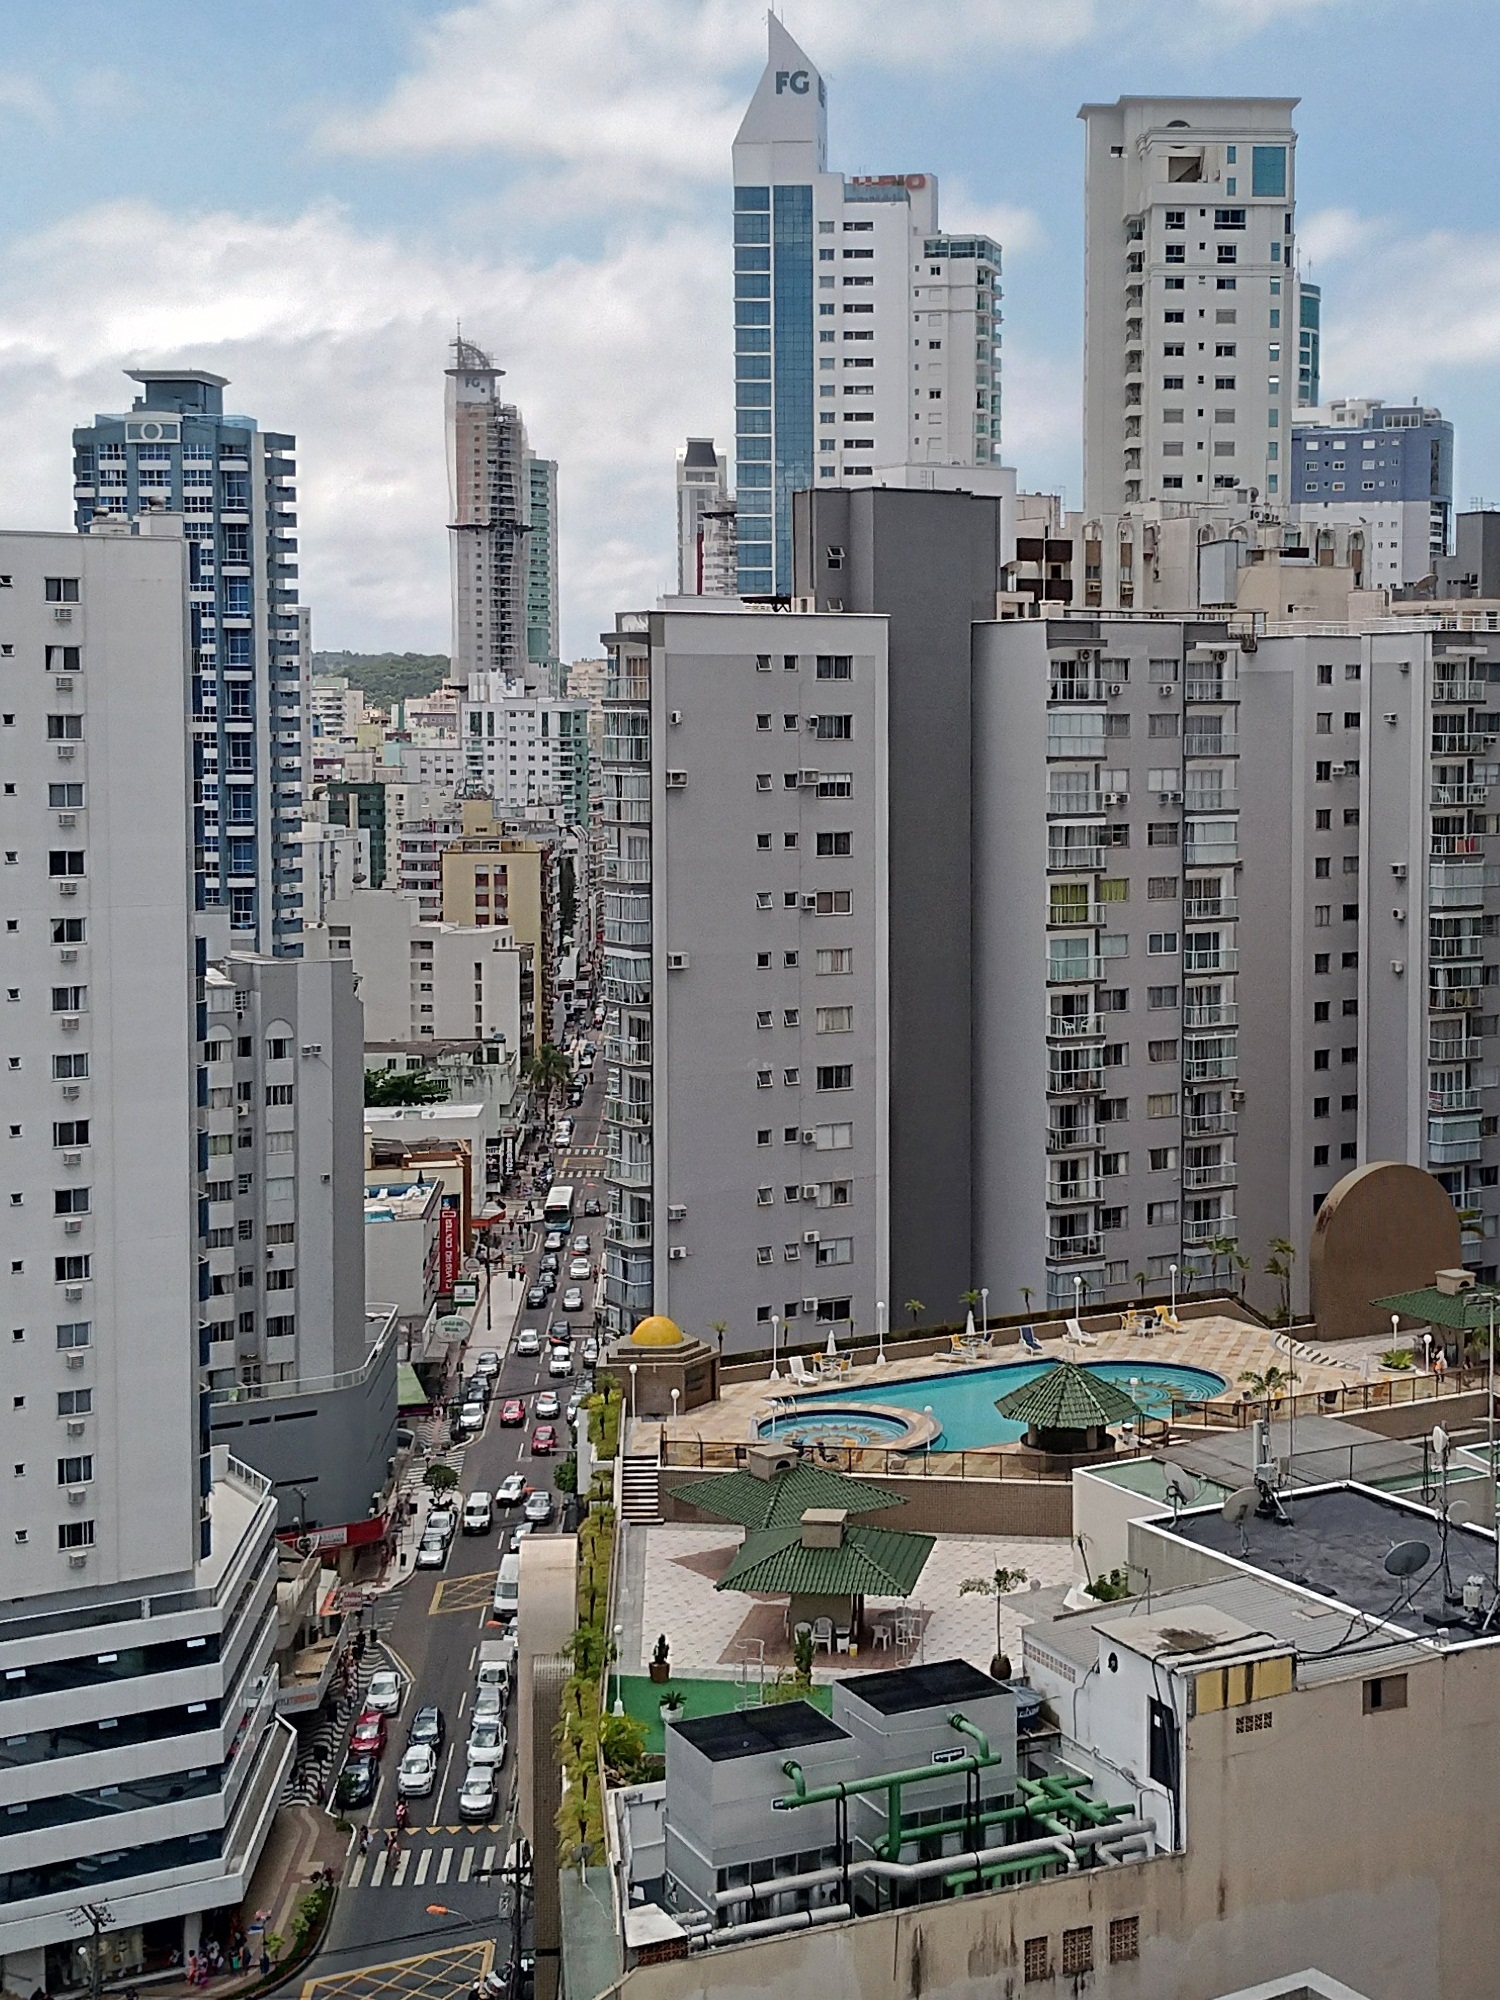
(377, 1873)
(488, 1863)
(424, 1862)
(466, 1866)
(401, 1866)
(445, 1862)
(357, 1872)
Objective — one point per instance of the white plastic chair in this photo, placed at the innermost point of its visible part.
(822, 1632)
(799, 1369)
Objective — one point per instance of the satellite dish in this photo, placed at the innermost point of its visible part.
(1183, 1481)
(1442, 1444)
(1406, 1558)
(1242, 1503)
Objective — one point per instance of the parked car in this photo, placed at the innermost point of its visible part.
(536, 1297)
(489, 1701)
(357, 1781)
(367, 1737)
(512, 1412)
(479, 1514)
(549, 1264)
(538, 1509)
(528, 1340)
(440, 1521)
(427, 1727)
(487, 1741)
(547, 1404)
(418, 1772)
(432, 1552)
(478, 1794)
(471, 1418)
(572, 1300)
(590, 1351)
(544, 1441)
(487, 1363)
(384, 1692)
(511, 1490)
(575, 1098)
(518, 1534)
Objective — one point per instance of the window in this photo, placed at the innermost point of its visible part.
(835, 1250)
(69, 930)
(835, 1076)
(1320, 961)
(1320, 1058)
(1161, 889)
(790, 1016)
(1114, 1000)
(1113, 1165)
(763, 1018)
(1323, 723)
(1117, 1055)
(70, 1066)
(1161, 944)
(70, 999)
(1163, 1051)
(70, 1201)
(1163, 1159)
(832, 903)
(1349, 1055)
(1320, 1156)
(1113, 1110)
(1320, 1010)
(763, 1136)
(835, 1020)
(74, 1402)
(1350, 1102)
(762, 721)
(73, 1132)
(1162, 1104)
(75, 1471)
(62, 589)
(1035, 1960)
(1124, 1939)
(1352, 671)
(64, 728)
(1323, 820)
(278, 1093)
(763, 1079)
(1114, 1218)
(829, 1138)
(1351, 912)
(1158, 997)
(835, 666)
(1320, 868)
(839, 960)
(835, 843)
(833, 728)
(762, 899)
(1384, 1692)
(1160, 1214)
(74, 1333)
(1162, 725)
(64, 798)
(1351, 718)
(1322, 773)
(1325, 676)
(1320, 1107)
(1078, 1950)
(1162, 833)
(835, 785)
(763, 781)
(75, 1535)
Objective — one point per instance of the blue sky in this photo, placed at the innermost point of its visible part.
(305, 198)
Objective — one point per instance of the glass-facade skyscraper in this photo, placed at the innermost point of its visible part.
(177, 450)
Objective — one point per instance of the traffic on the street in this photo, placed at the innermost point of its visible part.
(426, 1778)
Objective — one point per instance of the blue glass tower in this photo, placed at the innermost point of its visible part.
(234, 485)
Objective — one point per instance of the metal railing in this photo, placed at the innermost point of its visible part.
(1080, 860)
(1225, 959)
(1211, 743)
(1209, 1230)
(1073, 1249)
(1463, 1048)
(700, 1454)
(1072, 971)
(1222, 1175)
(1444, 845)
(1076, 690)
(1203, 854)
(1465, 691)
(1224, 1015)
(1075, 1027)
(1082, 1080)
(1464, 1098)
(313, 1385)
(1071, 1194)
(1211, 687)
(635, 1054)
(1070, 1138)
(1202, 909)
(1210, 1124)
(1459, 795)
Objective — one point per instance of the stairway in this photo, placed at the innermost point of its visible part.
(640, 1488)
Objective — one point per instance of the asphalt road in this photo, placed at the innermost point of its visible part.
(433, 1625)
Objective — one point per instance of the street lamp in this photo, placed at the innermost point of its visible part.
(1078, 1301)
(880, 1333)
(775, 1328)
(633, 1368)
(1172, 1271)
(619, 1707)
(984, 1311)
(675, 1394)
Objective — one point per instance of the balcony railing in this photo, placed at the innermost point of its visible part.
(634, 1054)
(1071, 1138)
(627, 1112)
(1076, 690)
(1453, 885)
(1223, 1014)
(1463, 692)
(1076, 805)
(616, 869)
(1073, 1249)
(1209, 1069)
(629, 687)
(1074, 916)
(1444, 999)
(1221, 958)
(1211, 743)
(1072, 971)
(628, 1235)
(1222, 1175)
(1453, 741)
(1210, 1124)
(1209, 1229)
(1454, 1049)
(1211, 687)
(1075, 860)
(1071, 1194)
(1210, 854)
(1443, 1152)
(630, 1173)
(1451, 950)
(1460, 1098)
(1460, 795)
(1075, 1027)
(1078, 1080)
(1203, 909)
(1210, 799)
(1445, 845)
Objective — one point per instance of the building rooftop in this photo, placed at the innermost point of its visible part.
(907, 1689)
(755, 1732)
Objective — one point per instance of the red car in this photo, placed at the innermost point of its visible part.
(513, 1411)
(544, 1441)
(367, 1738)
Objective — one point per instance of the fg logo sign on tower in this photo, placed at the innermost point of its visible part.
(799, 82)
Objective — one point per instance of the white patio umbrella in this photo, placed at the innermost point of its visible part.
(832, 1347)
(970, 1333)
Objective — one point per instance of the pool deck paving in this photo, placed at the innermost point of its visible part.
(1227, 1346)
(668, 1580)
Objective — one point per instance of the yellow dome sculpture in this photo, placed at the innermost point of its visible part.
(657, 1331)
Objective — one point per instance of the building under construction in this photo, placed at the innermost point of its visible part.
(489, 498)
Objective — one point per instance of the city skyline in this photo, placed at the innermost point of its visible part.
(310, 266)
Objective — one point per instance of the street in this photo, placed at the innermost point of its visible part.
(432, 1624)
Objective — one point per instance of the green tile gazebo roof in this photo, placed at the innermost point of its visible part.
(1068, 1398)
(1468, 1309)
(875, 1562)
(781, 1500)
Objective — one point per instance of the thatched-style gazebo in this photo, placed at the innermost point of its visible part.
(1069, 1410)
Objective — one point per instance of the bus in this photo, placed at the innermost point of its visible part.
(557, 1213)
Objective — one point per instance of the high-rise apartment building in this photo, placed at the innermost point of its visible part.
(542, 653)
(1190, 300)
(529, 752)
(864, 336)
(489, 496)
(1309, 343)
(702, 493)
(177, 451)
(1384, 467)
(143, 1761)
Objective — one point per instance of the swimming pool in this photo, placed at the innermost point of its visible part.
(963, 1405)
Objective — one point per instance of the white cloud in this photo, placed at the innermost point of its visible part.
(1017, 230)
(1328, 234)
(1429, 304)
(340, 336)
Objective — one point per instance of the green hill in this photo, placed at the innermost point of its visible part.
(386, 677)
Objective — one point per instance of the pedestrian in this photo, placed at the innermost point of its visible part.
(364, 1839)
(192, 1969)
(265, 1962)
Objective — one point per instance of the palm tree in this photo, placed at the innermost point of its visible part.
(995, 1586)
(970, 1299)
(1269, 1386)
(1221, 1246)
(1140, 1283)
(1241, 1264)
(1279, 1265)
(916, 1308)
(1026, 1291)
(550, 1072)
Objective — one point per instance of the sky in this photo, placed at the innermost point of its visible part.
(308, 198)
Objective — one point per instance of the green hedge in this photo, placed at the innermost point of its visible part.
(580, 1817)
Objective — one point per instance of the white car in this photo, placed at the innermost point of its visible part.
(489, 1701)
(590, 1352)
(471, 1418)
(511, 1490)
(385, 1691)
(478, 1794)
(440, 1521)
(572, 1300)
(487, 1363)
(528, 1341)
(546, 1404)
(432, 1552)
(538, 1509)
(581, 1270)
(580, 1246)
(418, 1773)
(487, 1742)
(560, 1361)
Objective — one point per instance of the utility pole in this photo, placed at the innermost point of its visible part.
(96, 1918)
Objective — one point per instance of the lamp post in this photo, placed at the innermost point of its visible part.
(1078, 1300)
(1172, 1273)
(927, 1441)
(880, 1333)
(634, 1366)
(675, 1394)
(775, 1329)
(1427, 1351)
(619, 1707)
(984, 1311)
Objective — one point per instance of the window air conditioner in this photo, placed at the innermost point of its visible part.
(1398, 966)
(65, 682)
(1117, 798)
(76, 1428)
(77, 1495)
(67, 957)
(675, 716)
(72, 1159)
(809, 1138)
(810, 1306)
(809, 902)
(810, 1192)
(677, 1252)
(1399, 916)
(677, 1211)
(1398, 869)
(678, 961)
(73, 1360)
(677, 781)
(73, 1226)
(70, 1091)
(63, 614)
(67, 819)
(67, 888)
(312, 1048)
(1169, 798)
(1116, 687)
(1339, 770)
(810, 1236)
(78, 1558)
(67, 749)
(805, 778)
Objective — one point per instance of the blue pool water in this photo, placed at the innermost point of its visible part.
(963, 1403)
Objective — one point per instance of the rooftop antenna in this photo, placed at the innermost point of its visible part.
(1267, 1475)
(1237, 1509)
(1180, 1489)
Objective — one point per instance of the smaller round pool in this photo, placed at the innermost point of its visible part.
(855, 1428)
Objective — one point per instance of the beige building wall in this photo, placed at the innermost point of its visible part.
(495, 880)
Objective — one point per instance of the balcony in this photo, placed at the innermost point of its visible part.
(628, 687)
(1074, 859)
(1204, 909)
(1198, 958)
(1072, 1194)
(1209, 854)
(1072, 971)
(621, 1049)
(1455, 950)
(628, 1235)
(627, 749)
(1445, 845)
(1211, 743)
(630, 1173)
(619, 992)
(1210, 1124)
(1080, 1079)
(1455, 885)
(1451, 740)
(1222, 1175)
(1211, 687)
(1209, 1229)
(1075, 916)
(1075, 1027)
(1076, 690)
(1445, 999)
(1459, 795)
(1210, 1069)
(1462, 693)
(1221, 1014)
(1451, 1141)
(627, 1112)
(1463, 1097)
(1075, 805)
(1072, 1138)
(1454, 1049)
(616, 869)
(1073, 1249)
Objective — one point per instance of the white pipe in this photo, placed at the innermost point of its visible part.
(751, 1892)
(798, 1920)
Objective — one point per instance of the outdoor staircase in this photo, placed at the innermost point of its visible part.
(640, 1488)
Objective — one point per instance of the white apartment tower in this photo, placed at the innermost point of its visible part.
(489, 497)
(1190, 300)
(705, 521)
(142, 1761)
(864, 337)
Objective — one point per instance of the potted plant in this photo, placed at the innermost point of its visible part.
(658, 1669)
(671, 1705)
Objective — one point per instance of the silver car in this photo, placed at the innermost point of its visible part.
(432, 1552)
(487, 1742)
(479, 1794)
(538, 1508)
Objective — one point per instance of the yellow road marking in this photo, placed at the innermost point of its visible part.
(461, 1593)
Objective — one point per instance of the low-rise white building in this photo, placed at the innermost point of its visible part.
(424, 982)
